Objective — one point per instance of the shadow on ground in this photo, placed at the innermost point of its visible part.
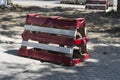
(103, 65)
(105, 58)
(45, 71)
(12, 52)
(96, 22)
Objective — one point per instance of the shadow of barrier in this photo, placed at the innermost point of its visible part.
(55, 39)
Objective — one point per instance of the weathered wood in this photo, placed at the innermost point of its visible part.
(48, 47)
(97, 1)
(118, 6)
(54, 39)
(99, 5)
(48, 38)
(61, 23)
(48, 30)
(50, 57)
(96, 5)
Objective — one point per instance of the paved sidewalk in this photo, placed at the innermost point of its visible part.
(103, 65)
(49, 4)
(103, 47)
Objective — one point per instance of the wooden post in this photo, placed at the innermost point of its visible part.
(5, 3)
(118, 6)
(115, 2)
(9, 2)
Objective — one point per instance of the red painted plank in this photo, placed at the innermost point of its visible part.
(36, 20)
(47, 38)
(33, 14)
(80, 22)
(96, 7)
(56, 22)
(46, 56)
(69, 23)
(86, 56)
(81, 41)
(96, 2)
(39, 55)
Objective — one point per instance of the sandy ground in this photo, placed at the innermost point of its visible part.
(104, 47)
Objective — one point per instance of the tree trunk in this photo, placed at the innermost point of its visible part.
(5, 3)
(118, 6)
(9, 2)
(76, 2)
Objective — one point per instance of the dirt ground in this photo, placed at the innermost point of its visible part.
(107, 24)
(103, 30)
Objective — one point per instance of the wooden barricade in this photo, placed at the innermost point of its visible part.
(54, 39)
(73, 1)
(68, 1)
(97, 5)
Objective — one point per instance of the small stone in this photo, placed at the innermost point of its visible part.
(105, 53)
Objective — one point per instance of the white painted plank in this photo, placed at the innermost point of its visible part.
(71, 33)
(96, 5)
(48, 47)
(94, 10)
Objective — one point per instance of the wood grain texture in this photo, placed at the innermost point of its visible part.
(48, 38)
(48, 47)
(71, 33)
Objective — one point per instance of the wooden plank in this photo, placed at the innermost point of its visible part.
(48, 38)
(101, 5)
(103, 8)
(46, 56)
(94, 10)
(104, 5)
(97, 2)
(65, 23)
(71, 33)
(48, 47)
(70, 23)
(42, 55)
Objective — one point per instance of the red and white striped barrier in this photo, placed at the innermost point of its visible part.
(68, 1)
(97, 5)
(73, 1)
(54, 39)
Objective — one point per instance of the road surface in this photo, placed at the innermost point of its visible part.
(45, 3)
(103, 46)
